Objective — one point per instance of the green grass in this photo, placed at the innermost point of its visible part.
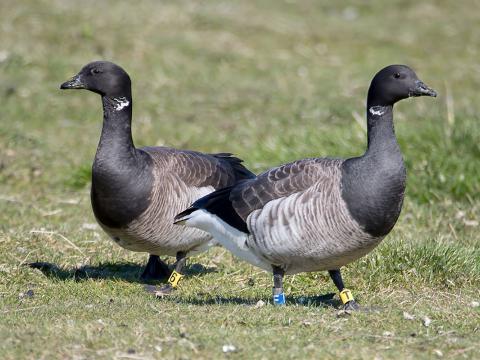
(271, 81)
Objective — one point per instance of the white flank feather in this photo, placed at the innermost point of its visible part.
(232, 239)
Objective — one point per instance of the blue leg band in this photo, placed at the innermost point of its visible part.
(279, 299)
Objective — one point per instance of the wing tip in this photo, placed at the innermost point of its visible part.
(181, 218)
(240, 170)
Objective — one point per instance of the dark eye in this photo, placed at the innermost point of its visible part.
(396, 75)
(96, 71)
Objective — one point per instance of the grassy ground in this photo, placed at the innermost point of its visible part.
(270, 81)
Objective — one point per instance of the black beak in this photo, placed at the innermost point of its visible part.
(421, 89)
(73, 83)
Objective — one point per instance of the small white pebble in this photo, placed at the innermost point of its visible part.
(306, 323)
(259, 304)
(350, 13)
(438, 352)
(470, 222)
(388, 334)
(302, 72)
(158, 348)
(426, 321)
(4, 55)
(228, 348)
(408, 316)
(69, 201)
(10, 152)
(475, 304)
(89, 226)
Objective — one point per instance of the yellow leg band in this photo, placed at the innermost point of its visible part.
(346, 296)
(174, 278)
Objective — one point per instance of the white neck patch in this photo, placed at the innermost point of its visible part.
(121, 103)
(377, 110)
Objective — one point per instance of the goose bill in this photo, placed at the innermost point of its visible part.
(73, 83)
(421, 89)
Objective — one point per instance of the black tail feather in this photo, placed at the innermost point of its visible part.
(218, 203)
(241, 172)
(184, 213)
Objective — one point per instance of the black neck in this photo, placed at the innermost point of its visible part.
(121, 175)
(116, 140)
(381, 132)
(373, 184)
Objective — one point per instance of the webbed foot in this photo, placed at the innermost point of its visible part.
(351, 306)
(155, 270)
(160, 291)
(164, 291)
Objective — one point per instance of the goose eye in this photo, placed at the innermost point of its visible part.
(96, 71)
(396, 75)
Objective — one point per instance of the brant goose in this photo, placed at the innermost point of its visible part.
(136, 192)
(319, 213)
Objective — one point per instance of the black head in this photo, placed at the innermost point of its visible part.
(102, 77)
(395, 83)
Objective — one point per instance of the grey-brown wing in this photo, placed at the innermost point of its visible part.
(199, 169)
(279, 182)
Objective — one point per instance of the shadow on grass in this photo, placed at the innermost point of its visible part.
(121, 271)
(327, 301)
(324, 301)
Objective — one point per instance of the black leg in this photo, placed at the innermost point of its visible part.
(336, 277)
(156, 269)
(278, 295)
(175, 276)
(181, 261)
(348, 301)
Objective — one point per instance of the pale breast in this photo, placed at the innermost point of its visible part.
(310, 230)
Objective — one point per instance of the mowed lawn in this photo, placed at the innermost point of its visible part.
(271, 81)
